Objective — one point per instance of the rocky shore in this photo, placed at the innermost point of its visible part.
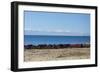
(56, 46)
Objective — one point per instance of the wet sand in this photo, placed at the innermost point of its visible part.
(56, 54)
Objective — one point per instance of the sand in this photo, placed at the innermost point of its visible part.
(56, 54)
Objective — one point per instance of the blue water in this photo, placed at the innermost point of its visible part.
(36, 39)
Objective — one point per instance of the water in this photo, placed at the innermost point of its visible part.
(37, 39)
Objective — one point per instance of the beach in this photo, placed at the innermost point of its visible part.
(56, 54)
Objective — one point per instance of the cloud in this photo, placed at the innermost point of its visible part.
(59, 30)
(54, 32)
(40, 30)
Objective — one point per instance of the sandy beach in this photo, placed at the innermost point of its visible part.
(56, 54)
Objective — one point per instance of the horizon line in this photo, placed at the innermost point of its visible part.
(57, 35)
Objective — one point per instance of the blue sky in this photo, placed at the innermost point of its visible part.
(51, 23)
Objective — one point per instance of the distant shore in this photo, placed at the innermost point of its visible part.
(56, 46)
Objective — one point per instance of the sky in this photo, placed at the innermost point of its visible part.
(56, 23)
